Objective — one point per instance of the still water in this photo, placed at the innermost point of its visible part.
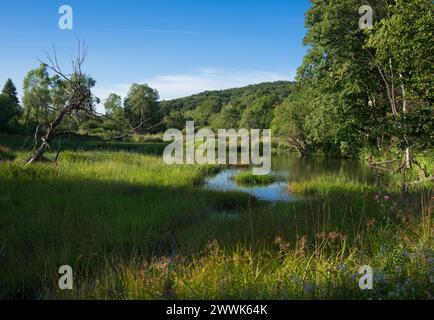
(288, 167)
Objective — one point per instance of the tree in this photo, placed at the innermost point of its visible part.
(112, 103)
(347, 93)
(9, 106)
(78, 102)
(115, 120)
(175, 120)
(403, 52)
(10, 90)
(37, 98)
(141, 105)
(205, 112)
(228, 118)
(259, 114)
(290, 123)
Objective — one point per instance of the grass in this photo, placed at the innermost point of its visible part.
(329, 184)
(133, 228)
(248, 178)
(6, 154)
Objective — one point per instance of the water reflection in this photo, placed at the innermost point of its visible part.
(288, 167)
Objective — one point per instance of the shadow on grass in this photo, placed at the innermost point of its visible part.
(16, 142)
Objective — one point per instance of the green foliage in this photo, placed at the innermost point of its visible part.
(224, 109)
(404, 42)
(260, 113)
(228, 118)
(37, 97)
(205, 112)
(290, 124)
(10, 108)
(112, 103)
(10, 90)
(141, 106)
(6, 154)
(368, 88)
(8, 112)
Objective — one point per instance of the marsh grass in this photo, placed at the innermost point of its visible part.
(246, 177)
(133, 227)
(6, 154)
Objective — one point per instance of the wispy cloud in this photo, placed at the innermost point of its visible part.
(147, 30)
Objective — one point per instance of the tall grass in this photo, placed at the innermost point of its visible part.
(133, 227)
(247, 177)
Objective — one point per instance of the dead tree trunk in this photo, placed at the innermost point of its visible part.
(78, 100)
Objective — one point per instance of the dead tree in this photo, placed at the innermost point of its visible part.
(78, 104)
(79, 101)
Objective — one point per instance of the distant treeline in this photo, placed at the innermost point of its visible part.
(246, 107)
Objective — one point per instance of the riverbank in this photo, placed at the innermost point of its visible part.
(132, 227)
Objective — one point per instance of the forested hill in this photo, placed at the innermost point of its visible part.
(250, 106)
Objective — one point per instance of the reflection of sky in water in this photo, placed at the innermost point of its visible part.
(288, 167)
(273, 192)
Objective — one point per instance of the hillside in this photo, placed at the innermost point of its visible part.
(246, 106)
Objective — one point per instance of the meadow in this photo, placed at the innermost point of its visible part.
(132, 227)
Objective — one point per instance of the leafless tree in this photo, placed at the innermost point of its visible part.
(78, 104)
(79, 101)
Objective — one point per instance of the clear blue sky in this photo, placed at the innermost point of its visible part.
(177, 46)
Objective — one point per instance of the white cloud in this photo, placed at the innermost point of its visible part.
(180, 85)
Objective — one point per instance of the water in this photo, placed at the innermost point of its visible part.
(287, 168)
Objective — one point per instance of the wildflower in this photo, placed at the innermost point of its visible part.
(341, 267)
(371, 223)
(334, 235)
(309, 287)
(302, 244)
(283, 246)
(321, 235)
(353, 277)
(386, 198)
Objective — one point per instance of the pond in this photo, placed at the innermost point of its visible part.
(289, 167)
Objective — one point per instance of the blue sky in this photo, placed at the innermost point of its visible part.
(179, 47)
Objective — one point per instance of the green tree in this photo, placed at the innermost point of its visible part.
(7, 111)
(175, 120)
(115, 120)
(259, 114)
(403, 48)
(141, 106)
(345, 88)
(37, 98)
(228, 118)
(9, 107)
(112, 103)
(291, 124)
(205, 112)
(10, 90)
